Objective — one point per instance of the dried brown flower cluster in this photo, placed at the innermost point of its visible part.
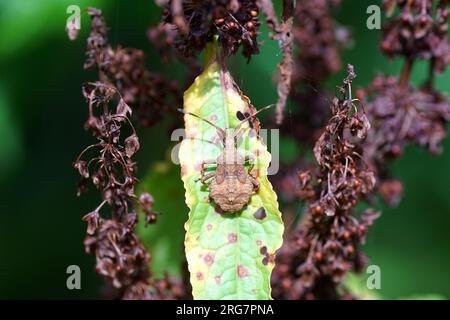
(167, 288)
(401, 116)
(319, 39)
(420, 31)
(325, 244)
(406, 115)
(188, 25)
(120, 256)
(286, 66)
(234, 21)
(121, 259)
(170, 288)
(149, 94)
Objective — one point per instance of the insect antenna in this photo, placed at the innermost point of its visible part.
(220, 131)
(236, 130)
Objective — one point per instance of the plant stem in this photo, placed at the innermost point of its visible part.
(430, 81)
(406, 73)
(211, 51)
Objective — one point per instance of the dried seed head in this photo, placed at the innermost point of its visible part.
(419, 31)
(234, 22)
(324, 246)
(401, 116)
(149, 94)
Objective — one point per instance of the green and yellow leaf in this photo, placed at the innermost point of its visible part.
(231, 255)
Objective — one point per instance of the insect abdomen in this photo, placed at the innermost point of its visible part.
(231, 195)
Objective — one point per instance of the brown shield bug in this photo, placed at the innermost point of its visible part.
(231, 186)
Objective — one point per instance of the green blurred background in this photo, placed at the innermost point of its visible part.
(41, 132)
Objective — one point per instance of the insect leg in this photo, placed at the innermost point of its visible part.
(207, 177)
(252, 178)
(204, 177)
(211, 161)
(249, 158)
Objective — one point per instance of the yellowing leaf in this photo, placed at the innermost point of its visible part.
(230, 255)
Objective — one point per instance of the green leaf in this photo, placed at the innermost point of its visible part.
(424, 296)
(356, 284)
(165, 239)
(224, 251)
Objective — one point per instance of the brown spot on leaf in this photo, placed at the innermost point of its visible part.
(258, 242)
(213, 117)
(199, 276)
(209, 259)
(209, 227)
(241, 271)
(217, 279)
(265, 260)
(263, 250)
(260, 214)
(232, 237)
